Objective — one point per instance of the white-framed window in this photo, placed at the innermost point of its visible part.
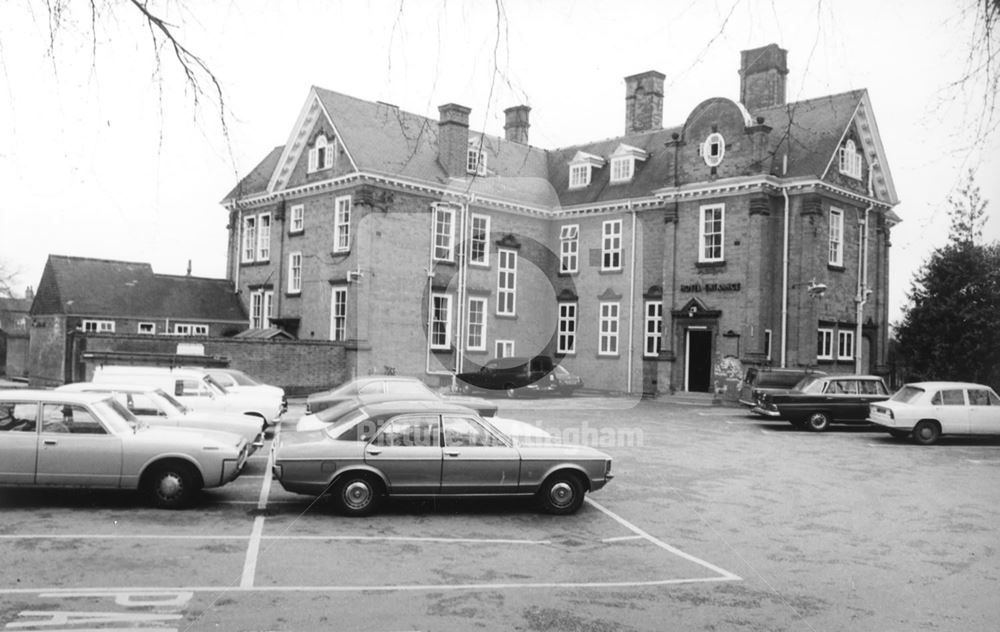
(713, 150)
(297, 218)
(440, 321)
(850, 160)
(622, 169)
(506, 282)
(190, 329)
(845, 344)
(476, 338)
(611, 245)
(342, 224)
(475, 161)
(836, 252)
(767, 344)
(444, 233)
(321, 154)
(569, 249)
(503, 348)
(579, 176)
(338, 314)
(653, 329)
(260, 308)
(567, 328)
(249, 238)
(99, 326)
(824, 344)
(608, 329)
(264, 237)
(479, 247)
(295, 273)
(146, 328)
(711, 233)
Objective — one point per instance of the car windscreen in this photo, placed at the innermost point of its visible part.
(214, 385)
(242, 378)
(356, 426)
(335, 412)
(116, 415)
(907, 394)
(810, 385)
(172, 401)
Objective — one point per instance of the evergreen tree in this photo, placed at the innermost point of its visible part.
(951, 325)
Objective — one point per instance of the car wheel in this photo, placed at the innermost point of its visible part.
(172, 485)
(926, 432)
(510, 391)
(358, 494)
(561, 494)
(818, 422)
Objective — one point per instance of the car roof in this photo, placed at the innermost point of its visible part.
(930, 385)
(32, 394)
(848, 377)
(105, 387)
(415, 406)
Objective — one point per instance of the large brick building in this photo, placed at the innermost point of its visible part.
(755, 232)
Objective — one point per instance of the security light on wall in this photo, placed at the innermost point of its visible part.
(816, 289)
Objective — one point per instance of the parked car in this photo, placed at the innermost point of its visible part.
(508, 375)
(195, 388)
(424, 448)
(158, 408)
(51, 438)
(396, 386)
(236, 381)
(927, 410)
(818, 401)
(759, 380)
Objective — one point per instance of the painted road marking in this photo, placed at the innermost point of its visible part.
(253, 549)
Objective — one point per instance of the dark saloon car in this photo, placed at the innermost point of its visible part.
(760, 380)
(432, 449)
(818, 401)
(538, 374)
(391, 386)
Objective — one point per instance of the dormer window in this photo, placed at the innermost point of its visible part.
(623, 162)
(850, 160)
(476, 158)
(713, 150)
(580, 169)
(321, 154)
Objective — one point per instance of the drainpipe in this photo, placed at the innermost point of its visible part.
(631, 304)
(430, 299)
(463, 273)
(862, 296)
(784, 268)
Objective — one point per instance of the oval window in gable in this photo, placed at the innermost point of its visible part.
(713, 149)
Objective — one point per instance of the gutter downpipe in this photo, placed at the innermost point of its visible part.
(784, 268)
(430, 297)
(862, 296)
(631, 301)
(461, 252)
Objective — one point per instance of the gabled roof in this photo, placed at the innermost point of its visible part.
(80, 286)
(384, 140)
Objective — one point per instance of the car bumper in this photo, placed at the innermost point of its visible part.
(767, 413)
(232, 468)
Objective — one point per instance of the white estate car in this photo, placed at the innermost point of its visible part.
(237, 381)
(928, 410)
(64, 439)
(158, 408)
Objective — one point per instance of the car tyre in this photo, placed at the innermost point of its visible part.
(926, 432)
(818, 422)
(358, 494)
(172, 485)
(561, 494)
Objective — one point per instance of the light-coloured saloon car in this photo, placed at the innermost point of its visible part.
(63, 439)
(236, 381)
(156, 407)
(428, 449)
(927, 410)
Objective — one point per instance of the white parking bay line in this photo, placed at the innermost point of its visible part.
(253, 549)
(726, 575)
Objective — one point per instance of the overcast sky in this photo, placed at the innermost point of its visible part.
(100, 159)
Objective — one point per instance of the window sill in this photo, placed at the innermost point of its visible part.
(711, 264)
(837, 267)
(609, 356)
(293, 294)
(296, 233)
(611, 271)
(506, 316)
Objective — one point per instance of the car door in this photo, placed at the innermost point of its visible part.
(476, 460)
(407, 450)
(75, 449)
(950, 410)
(984, 411)
(18, 442)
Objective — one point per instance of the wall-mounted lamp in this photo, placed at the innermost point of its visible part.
(813, 288)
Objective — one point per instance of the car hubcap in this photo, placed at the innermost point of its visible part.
(357, 495)
(170, 486)
(561, 494)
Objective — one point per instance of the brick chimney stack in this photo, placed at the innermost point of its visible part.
(762, 77)
(644, 102)
(453, 139)
(516, 124)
